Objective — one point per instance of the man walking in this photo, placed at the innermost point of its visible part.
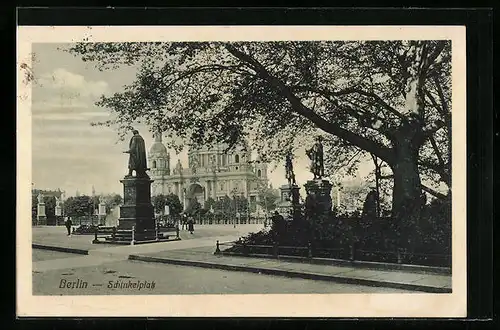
(68, 225)
(191, 225)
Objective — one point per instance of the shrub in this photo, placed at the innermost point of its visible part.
(375, 239)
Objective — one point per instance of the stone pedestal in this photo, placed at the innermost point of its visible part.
(136, 209)
(41, 217)
(102, 214)
(289, 202)
(319, 196)
(318, 207)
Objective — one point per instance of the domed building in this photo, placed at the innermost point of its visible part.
(210, 173)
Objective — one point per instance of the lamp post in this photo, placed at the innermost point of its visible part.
(212, 213)
(235, 208)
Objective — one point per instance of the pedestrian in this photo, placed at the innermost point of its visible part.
(184, 221)
(68, 225)
(191, 225)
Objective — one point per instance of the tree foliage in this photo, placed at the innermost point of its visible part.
(268, 199)
(172, 200)
(78, 206)
(391, 99)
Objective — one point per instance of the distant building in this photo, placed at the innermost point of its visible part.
(210, 172)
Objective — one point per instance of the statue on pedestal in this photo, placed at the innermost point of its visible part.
(290, 176)
(315, 154)
(137, 156)
(58, 202)
(40, 198)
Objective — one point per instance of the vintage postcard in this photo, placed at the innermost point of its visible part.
(254, 171)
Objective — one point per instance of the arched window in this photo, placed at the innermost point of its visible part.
(259, 173)
(154, 164)
(236, 158)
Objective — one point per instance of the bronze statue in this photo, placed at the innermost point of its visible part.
(315, 154)
(290, 176)
(137, 155)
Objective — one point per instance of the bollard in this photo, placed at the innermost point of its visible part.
(133, 236)
(217, 248)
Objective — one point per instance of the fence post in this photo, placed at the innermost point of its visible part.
(133, 236)
(177, 231)
(353, 252)
(398, 253)
(245, 251)
(309, 250)
(217, 248)
(113, 234)
(275, 250)
(157, 231)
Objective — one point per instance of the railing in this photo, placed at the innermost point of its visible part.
(104, 232)
(353, 253)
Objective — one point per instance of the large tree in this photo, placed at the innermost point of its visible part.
(391, 99)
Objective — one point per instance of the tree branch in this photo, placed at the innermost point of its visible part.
(437, 151)
(433, 192)
(352, 90)
(445, 176)
(443, 111)
(298, 107)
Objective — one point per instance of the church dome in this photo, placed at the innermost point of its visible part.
(159, 149)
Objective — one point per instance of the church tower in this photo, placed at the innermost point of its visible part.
(260, 169)
(159, 164)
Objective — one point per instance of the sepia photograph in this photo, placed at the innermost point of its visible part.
(230, 171)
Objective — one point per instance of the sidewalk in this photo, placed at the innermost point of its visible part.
(56, 239)
(204, 257)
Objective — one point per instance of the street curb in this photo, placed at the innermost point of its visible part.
(59, 249)
(293, 274)
(354, 263)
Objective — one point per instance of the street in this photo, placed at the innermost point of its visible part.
(171, 279)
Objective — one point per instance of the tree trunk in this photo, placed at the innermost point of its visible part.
(407, 191)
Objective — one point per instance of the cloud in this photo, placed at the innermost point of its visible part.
(64, 89)
(63, 80)
(72, 116)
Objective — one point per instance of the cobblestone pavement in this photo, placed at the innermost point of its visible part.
(172, 279)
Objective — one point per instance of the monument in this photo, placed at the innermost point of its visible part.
(40, 216)
(318, 200)
(58, 210)
(136, 222)
(137, 209)
(102, 211)
(290, 195)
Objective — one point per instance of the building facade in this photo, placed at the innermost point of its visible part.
(210, 173)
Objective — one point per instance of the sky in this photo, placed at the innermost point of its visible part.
(70, 154)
